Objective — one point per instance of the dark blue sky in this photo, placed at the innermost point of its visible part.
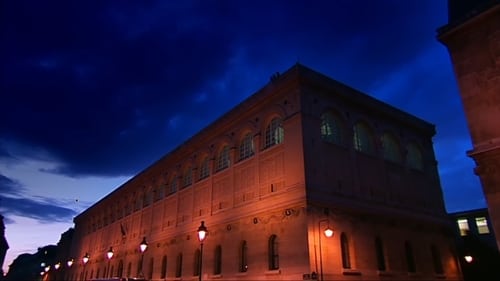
(102, 89)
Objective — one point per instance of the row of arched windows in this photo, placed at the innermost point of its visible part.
(333, 130)
(273, 259)
(274, 135)
(380, 255)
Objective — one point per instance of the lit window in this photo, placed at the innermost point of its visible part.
(274, 133)
(463, 226)
(330, 128)
(391, 148)
(246, 147)
(414, 157)
(363, 140)
(482, 225)
(223, 159)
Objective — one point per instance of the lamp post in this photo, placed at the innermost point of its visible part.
(85, 260)
(109, 254)
(143, 246)
(69, 263)
(202, 234)
(328, 232)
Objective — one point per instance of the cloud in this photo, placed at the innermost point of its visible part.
(9, 186)
(78, 73)
(46, 210)
(14, 201)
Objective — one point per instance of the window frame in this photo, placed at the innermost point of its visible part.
(274, 133)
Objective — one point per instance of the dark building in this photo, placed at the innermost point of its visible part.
(32, 266)
(476, 243)
(4, 246)
(472, 37)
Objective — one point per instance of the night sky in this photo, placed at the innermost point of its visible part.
(93, 92)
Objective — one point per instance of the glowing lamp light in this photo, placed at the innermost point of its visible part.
(47, 268)
(202, 232)
(144, 245)
(86, 258)
(468, 258)
(328, 232)
(69, 262)
(57, 265)
(110, 253)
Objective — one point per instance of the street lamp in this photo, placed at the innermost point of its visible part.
(202, 234)
(328, 232)
(69, 262)
(109, 254)
(85, 260)
(143, 246)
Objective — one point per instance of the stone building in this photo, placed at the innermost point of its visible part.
(472, 37)
(303, 154)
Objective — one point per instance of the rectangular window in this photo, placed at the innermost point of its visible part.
(463, 226)
(482, 225)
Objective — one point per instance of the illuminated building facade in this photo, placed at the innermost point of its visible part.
(303, 154)
(472, 37)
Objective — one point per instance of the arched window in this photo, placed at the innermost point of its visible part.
(161, 191)
(120, 268)
(129, 269)
(147, 199)
(392, 151)
(178, 266)
(163, 273)
(410, 259)
(204, 168)
(344, 249)
(246, 147)
(218, 260)
(273, 255)
(436, 260)
(223, 158)
(274, 133)
(187, 178)
(414, 157)
(330, 128)
(379, 251)
(243, 254)
(173, 185)
(197, 260)
(363, 138)
(150, 269)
